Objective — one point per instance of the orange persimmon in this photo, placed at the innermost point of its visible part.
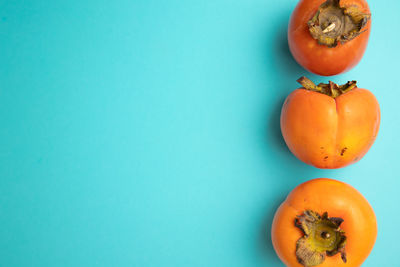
(330, 126)
(328, 37)
(324, 223)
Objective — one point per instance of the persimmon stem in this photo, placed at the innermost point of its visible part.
(331, 89)
(325, 235)
(334, 23)
(322, 238)
(329, 28)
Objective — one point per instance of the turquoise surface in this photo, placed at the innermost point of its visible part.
(146, 133)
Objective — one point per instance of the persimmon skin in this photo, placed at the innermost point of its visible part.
(321, 59)
(339, 200)
(329, 132)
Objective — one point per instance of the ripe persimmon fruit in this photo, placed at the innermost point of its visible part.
(330, 126)
(324, 223)
(328, 37)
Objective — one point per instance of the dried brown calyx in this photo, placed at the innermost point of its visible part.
(333, 24)
(331, 89)
(322, 237)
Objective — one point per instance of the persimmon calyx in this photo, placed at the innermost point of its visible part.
(333, 23)
(322, 237)
(331, 89)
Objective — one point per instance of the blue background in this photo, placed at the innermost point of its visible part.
(146, 133)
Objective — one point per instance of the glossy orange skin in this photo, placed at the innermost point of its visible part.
(339, 200)
(321, 59)
(329, 132)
